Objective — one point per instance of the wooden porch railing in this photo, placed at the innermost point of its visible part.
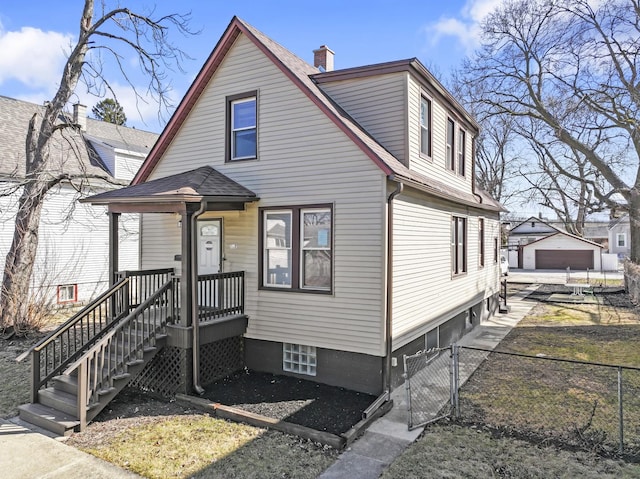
(144, 283)
(219, 294)
(51, 355)
(124, 345)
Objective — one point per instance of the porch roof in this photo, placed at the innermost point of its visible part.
(174, 193)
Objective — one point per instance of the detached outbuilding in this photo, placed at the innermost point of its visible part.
(560, 251)
(536, 244)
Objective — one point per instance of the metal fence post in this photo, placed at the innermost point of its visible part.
(407, 386)
(455, 380)
(620, 410)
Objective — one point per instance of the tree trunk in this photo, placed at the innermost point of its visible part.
(634, 225)
(21, 257)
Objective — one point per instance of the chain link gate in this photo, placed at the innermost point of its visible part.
(429, 383)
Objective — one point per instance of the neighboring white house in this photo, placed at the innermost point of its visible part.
(538, 244)
(73, 254)
(620, 236)
(345, 199)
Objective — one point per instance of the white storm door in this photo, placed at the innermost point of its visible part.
(209, 246)
(209, 262)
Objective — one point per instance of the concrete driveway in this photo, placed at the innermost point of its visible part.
(548, 276)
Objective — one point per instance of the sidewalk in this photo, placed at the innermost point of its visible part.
(389, 436)
(26, 454)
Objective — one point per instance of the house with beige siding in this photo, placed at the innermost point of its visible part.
(306, 221)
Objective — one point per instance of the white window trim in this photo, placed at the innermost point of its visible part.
(624, 240)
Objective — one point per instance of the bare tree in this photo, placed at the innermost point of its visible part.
(497, 155)
(100, 37)
(550, 61)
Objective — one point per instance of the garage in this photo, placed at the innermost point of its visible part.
(562, 259)
(561, 251)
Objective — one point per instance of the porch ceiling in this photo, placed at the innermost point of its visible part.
(177, 193)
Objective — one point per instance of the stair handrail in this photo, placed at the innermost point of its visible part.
(64, 327)
(100, 352)
(48, 350)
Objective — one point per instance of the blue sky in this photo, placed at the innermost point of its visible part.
(438, 33)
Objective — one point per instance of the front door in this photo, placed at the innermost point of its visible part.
(209, 246)
(209, 262)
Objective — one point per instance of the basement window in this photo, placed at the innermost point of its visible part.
(67, 293)
(300, 359)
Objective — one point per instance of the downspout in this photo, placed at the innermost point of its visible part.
(389, 311)
(195, 320)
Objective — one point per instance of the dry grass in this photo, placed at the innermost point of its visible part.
(450, 451)
(205, 447)
(575, 404)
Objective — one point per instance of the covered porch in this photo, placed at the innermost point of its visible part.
(207, 303)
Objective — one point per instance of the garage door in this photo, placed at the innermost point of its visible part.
(561, 259)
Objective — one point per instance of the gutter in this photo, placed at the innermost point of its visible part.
(195, 323)
(389, 311)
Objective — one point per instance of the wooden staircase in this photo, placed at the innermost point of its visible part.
(81, 366)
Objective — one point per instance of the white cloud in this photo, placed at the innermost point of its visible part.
(33, 57)
(466, 27)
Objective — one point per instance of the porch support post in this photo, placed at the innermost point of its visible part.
(113, 246)
(186, 316)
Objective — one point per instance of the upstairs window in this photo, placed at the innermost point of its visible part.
(425, 126)
(458, 245)
(451, 128)
(461, 147)
(242, 121)
(621, 240)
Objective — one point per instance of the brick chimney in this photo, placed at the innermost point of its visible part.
(323, 58)
(80, 116)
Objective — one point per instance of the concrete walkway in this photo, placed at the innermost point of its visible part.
(27, 454)
(389, 436)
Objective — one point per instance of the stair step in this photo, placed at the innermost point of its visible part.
(60, 400)
(49, 418)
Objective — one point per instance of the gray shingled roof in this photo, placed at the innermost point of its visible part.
(190, 186)
(70, 152)
(303, 74)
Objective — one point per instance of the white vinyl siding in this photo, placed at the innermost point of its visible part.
(73, 248)
(436, 166)
(378, 105)
(425, 293)
(304, 159)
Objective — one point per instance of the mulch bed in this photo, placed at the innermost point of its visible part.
(298, 401)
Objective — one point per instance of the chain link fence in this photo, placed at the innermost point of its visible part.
(570, 403)
(428, 383)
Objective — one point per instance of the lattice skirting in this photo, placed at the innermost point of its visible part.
(221, 358)
(170, 371)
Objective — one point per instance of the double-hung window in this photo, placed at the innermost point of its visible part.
(297, 248)
(242, 121)
(458, 245)
(461, 146)
(621, 240)
(425, 126)
(451, 129)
